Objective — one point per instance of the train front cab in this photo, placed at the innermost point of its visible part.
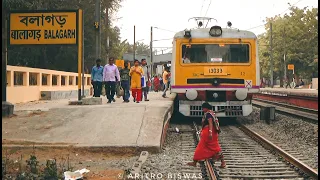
(227, 81)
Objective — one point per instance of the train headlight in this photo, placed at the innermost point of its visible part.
(191, 94)
(215, 31)
(187, 33)
(241, 94)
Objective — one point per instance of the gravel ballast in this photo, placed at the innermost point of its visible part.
(171, 162)
(287, 131)
(168, 161)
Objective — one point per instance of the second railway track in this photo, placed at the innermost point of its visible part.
(247, 159)
(310, 115)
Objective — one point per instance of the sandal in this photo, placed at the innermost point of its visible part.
(223, 165)
(192, 164)
(215, 157)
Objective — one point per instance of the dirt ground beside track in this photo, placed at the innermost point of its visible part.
(105, 166)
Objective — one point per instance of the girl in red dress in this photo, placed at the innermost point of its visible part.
(156, 84)
(208, 146)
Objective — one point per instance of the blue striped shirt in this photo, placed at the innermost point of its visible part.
(97, 73)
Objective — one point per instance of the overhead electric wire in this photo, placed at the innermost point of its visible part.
(163, 47)
(289, 7)
(208, 7)
(163, 39)
(164, 29)
(280, 14)
(202, 6)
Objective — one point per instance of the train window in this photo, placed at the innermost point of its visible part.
(215, 53)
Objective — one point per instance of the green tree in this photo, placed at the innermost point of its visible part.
(141, 48)
(295, 35)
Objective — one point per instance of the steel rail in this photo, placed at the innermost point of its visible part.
(209, 167)
(292, 160)
(305, 116)
(308, 110)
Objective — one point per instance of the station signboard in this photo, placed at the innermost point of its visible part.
(290, 67)
(43, 27)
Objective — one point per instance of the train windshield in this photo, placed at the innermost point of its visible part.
(215, 53)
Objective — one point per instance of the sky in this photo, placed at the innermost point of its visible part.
(170, 16)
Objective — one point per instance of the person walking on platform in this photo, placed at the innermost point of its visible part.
(161, 83)
(301, 82)
(146, 75)
(287, 82)
(110, 76)
(96, 78)
(156, 83)
(125, 77)
(169, 80)
(208, 146)
(136, 73)
(165, 78)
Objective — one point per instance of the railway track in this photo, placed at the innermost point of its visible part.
(306, 114)
(250, 156)
(247, 154)
(188, 143)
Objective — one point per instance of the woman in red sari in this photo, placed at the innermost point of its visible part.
(208, 146)
(156, 83)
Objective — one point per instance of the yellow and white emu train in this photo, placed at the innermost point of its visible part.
(217, 65)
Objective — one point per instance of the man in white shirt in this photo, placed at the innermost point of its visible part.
(146, 74)
(111, 75)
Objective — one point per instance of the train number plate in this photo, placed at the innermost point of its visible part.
(219, 71)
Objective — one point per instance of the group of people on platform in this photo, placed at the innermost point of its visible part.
(137, 79)
(287, 83)
(162, 83)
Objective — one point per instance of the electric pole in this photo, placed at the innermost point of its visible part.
(151, 54)
(134, 42)
(107, 26)
(284, 55)
(271, 57)
(7, 108)
(4, 51)
(98, 28)
(82, 54)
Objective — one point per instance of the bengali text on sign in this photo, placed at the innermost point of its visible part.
(43, 28)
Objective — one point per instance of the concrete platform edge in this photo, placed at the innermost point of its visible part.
(288, 92)
(149, 133)
(166, 123)
(157, 141)
(94, 149)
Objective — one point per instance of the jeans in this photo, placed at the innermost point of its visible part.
(145, 91)
(126, 88)
(97, 88)
(110, 89)
(166, 86)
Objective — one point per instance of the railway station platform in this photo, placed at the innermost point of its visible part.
(304, 98)
(284, 91)
(109, 127)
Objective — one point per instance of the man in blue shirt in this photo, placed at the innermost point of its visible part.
(96, 78)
